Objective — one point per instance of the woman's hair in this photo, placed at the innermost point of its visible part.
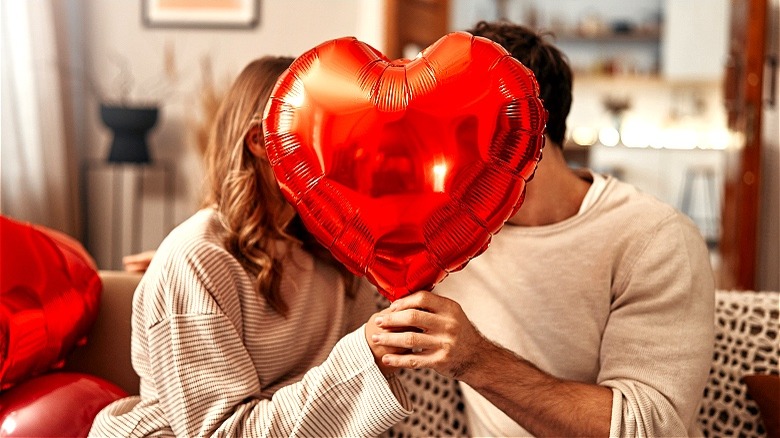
(549, 65)
(241, 186)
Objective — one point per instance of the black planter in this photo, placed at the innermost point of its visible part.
(130, 126)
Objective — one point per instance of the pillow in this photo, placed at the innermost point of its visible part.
(49, 297)
(764, 389)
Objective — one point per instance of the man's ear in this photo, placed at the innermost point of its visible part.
(254, 140)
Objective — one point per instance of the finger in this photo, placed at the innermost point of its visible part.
(135, 267)
(419, 319)
(419, 300)
(413, 361)
(407, 340)
(139, 257)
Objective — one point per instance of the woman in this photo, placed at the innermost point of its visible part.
(242, 325)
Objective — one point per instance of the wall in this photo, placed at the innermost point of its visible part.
(114, 34)
(693, 48)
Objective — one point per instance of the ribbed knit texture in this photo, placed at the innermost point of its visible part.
(215, 359)
(621, 295)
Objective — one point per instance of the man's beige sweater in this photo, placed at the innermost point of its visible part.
(621, 295)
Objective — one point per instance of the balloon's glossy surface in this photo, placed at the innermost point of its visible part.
(57, 404)
(404, 169)
(49, 297)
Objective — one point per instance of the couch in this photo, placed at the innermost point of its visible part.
(746, 325)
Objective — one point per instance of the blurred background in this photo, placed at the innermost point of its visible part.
(678, 97)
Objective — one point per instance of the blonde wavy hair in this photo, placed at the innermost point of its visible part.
(241, 186)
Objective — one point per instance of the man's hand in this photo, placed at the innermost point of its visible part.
(429, 331)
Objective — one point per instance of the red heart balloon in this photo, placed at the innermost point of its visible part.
(404, 169)
(49, 297)
(57, 404)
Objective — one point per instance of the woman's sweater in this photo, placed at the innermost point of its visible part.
(215, 359)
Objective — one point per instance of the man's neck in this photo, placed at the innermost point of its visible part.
(554, 194)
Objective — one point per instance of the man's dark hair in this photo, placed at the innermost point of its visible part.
(547, 62)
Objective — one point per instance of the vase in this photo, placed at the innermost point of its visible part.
(129, 126)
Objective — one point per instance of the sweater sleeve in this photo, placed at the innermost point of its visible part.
(211, 387)
(657, 346)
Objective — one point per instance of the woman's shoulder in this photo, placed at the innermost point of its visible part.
(192, 268)
(203, 225)
(195, 238)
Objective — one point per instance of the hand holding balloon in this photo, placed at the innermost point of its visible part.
(430, 331)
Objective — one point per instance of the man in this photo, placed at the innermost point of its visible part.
(589, 315)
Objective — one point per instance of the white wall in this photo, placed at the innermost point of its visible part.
(113, 30)
(694, 38)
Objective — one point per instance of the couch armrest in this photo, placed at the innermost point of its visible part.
(107, 351)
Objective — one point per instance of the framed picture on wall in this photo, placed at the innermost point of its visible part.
(200, 13)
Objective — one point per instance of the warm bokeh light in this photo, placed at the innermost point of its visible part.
(718, 139)
(609, 136)
(635, 134)
(584, 136)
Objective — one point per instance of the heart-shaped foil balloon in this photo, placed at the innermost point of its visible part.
(405, 169)
(49, 298)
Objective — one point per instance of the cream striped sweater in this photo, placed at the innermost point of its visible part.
(215, 359)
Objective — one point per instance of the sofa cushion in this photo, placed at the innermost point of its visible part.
(107, 351)
(746, 342)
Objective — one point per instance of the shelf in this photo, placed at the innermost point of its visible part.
(633, 52)
(588, 76)
(633, 37)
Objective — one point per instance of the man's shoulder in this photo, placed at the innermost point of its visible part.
(621, 198)
(627, 208)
